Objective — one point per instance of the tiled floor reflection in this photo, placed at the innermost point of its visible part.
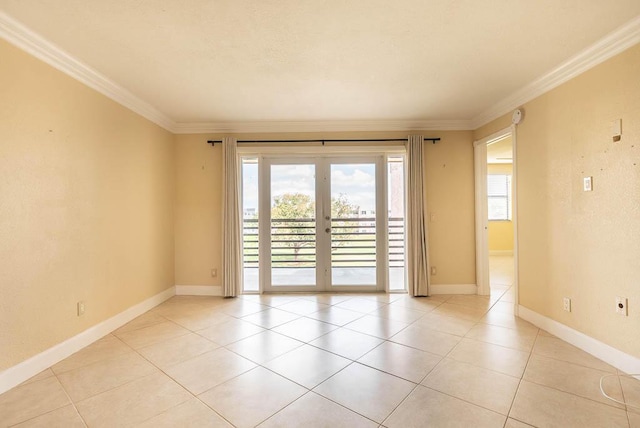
(501, 276)
(328, 361)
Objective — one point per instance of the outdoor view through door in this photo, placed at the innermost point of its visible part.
(315, 224)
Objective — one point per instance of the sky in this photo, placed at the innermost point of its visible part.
(355, 181)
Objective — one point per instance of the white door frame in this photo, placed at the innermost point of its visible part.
(323, 187)
(382, 231)
(481, 211)
(264, 228)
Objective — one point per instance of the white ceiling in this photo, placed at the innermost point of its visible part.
(215, 61)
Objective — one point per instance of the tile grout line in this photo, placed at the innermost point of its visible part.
(459, 398)
(101, 392)
(310, 391)
(465, 401)
(351, 361)
(418, 384)
(522, 377)
(571, 362)
(382, 371)
(626, 408)
(384, 341)
(575, 395)
(53, 410)
(73, 403)
(353, 410)
(447, 355)
(181, 386)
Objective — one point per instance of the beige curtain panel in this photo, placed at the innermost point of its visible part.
(417, 233)
(231, 230)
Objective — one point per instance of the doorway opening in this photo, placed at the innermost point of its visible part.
(496, 216)
(323, 223)
(500, 214)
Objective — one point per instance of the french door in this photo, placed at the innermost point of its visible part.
(323, 224)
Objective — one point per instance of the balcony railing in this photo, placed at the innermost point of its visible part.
(353, 242)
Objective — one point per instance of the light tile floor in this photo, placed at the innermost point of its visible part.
(325, 360)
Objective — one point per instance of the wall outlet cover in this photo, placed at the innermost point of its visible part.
(621, 306)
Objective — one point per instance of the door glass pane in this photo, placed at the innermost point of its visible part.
(395, 185)
(250, 223)
(353, 224)
(293, 225)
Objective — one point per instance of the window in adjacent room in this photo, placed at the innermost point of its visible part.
(499, 196)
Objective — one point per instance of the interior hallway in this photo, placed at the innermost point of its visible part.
(325, 360)
(501, 277)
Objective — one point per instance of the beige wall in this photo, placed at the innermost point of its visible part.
(198, 211)
(584, 245)
(450, 197)
(450, 193)
(86, 207)
(500, 232)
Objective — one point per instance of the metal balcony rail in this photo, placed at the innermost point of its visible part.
(353, 242)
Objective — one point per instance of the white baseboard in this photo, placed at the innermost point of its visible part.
(17, 374)
(199, 290)
(453, 289)
(610, 355)
(501, 252)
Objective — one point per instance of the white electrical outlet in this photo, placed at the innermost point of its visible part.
(621, 306)
(80, 308)
(433, 270)
(214, 273)
(566, 304)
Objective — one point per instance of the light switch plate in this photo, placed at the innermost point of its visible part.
(588, 184)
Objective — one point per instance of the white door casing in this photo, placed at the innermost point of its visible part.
(323, 188)
(481, 211)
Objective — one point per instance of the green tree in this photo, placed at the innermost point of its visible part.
(343, 220)
(293, 222)
(342, 208)
(293, 206)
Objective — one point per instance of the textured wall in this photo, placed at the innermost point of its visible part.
(86, 207)
(449, 196)
(583, 245)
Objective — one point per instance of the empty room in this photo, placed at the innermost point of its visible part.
(320, 213)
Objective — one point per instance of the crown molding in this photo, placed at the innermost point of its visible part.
(22, 37)
(321, 126)
(607, 47)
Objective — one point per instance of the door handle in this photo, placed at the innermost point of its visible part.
(328, 230)
(327, 217)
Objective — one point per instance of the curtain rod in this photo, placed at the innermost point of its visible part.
(433, 140)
